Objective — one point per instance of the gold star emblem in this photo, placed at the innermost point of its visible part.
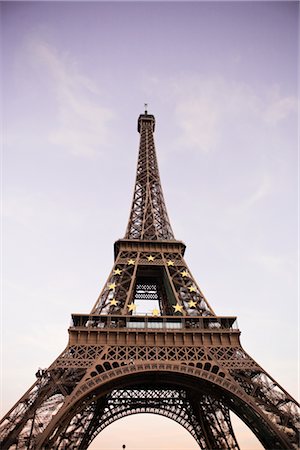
(192, 304)
(192, 289)
(131, 262)
(155, 312)
(177, 308)
(131, 307)
(170, 263)
(150, 258)
(184, 274)
(113, 302)
(112, 286)
(117, 272)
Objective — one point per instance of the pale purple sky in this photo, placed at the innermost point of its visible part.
(221, 80)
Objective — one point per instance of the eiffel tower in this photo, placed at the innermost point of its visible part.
(153, 344)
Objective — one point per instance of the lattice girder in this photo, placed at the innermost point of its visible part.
(209, 383)
(37, 407)
(276, 403)
(172, 403)
(211, 359)
(235, 364)
(148, 217)
(96, 355)
(171, 269)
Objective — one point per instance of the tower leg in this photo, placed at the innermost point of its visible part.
(214, 419)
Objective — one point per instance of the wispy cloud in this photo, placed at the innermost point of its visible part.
(82, 122)
(208, 108)
(278, 107)
(33, 210)
(274, 263)
(198, 121)
(262, 190)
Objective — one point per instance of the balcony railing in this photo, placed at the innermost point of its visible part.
(154, 323)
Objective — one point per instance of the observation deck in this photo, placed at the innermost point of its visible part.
(160, 330)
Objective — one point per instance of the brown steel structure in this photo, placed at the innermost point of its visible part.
(181, 360)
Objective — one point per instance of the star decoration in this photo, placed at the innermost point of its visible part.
(131, 262)
(150, 258)
(184, 274)
(113, 302)
(131, 307)
(170, 263)
(192, 289)
(155, 312)
(177, 308)
(117, 272)
(112, 286)
(192, 304)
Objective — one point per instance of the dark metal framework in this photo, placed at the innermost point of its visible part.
(148, 216)
(181, 361)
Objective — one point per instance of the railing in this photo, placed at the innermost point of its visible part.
(154, 323)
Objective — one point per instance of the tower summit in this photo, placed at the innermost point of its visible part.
(152, 343)
(148, 217)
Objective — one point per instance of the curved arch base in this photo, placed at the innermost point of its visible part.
(66, 408)
(209, 397)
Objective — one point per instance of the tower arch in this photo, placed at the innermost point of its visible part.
(206, 386)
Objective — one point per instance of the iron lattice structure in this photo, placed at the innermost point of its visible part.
(181, 360)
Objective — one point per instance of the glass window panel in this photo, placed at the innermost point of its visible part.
(136, 324)
(174, 325)
(157, 324)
